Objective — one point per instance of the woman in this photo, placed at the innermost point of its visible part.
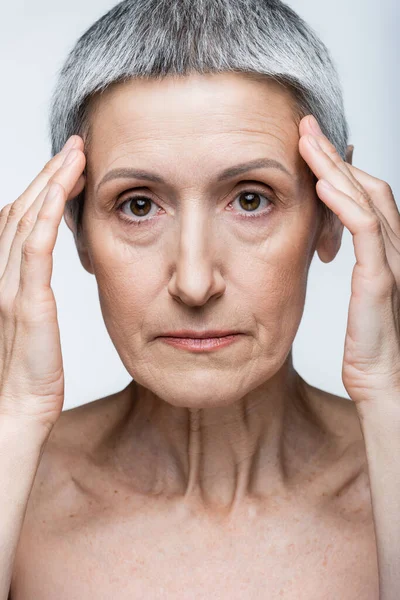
(198, 188)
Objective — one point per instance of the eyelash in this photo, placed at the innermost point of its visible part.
(264, 213)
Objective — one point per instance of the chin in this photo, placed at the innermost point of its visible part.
(201, 388)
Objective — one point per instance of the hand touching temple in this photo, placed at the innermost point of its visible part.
(195, 193)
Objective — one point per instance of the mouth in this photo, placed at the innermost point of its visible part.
(201, 335)
(201, 344)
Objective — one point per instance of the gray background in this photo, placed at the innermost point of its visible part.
(35, 37)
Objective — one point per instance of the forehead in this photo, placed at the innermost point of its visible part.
(196, 115)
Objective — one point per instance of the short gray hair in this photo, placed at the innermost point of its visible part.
(157, 38)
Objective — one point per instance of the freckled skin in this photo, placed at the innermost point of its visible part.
(214, 428)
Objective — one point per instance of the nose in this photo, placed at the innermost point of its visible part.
(197, 264)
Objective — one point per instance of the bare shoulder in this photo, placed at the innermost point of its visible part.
(65, 481)
(73, 438)
(339, 415)
(70, 448)
(83, 427)
(347, 479)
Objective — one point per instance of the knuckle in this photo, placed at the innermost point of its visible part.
(372, 224)
(334, 155)
(16, 210)
(25, 224)
(30, 248)
(5, 210)
(385, 284)
(331, 151)
(379, 186)
(361, 197)
(384, 187)
(45, 214)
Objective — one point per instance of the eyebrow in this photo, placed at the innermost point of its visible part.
(229, 173)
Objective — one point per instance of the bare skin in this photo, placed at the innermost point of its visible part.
(219, 474)
(312, 533)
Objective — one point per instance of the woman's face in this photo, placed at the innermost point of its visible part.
(197, 246)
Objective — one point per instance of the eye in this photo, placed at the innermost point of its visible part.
(139, 206)
(142, 206)
(249, 200)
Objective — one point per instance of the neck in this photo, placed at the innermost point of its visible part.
(218, 457)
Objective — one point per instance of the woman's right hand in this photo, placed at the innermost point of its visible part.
(31, 367)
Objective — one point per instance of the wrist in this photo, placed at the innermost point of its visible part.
(381, 419)
(23, 432)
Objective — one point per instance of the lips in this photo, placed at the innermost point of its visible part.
(187, 333)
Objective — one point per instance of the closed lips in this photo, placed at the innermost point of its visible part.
(198, 335)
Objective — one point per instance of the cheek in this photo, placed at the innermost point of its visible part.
(127, 280)
(276, 291)
(275, 281)
(265, 287)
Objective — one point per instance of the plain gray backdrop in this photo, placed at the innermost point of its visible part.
(35, 37)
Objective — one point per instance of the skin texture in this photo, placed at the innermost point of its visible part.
(220, 474)
(213, 428)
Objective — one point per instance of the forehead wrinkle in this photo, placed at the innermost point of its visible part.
(248, 118)
(232, 139)
(199, 129)
(168, 142)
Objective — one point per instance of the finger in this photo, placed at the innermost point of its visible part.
(382, 197)
(50, 169)
(4, 216)
(36, 264)
(365, 227)
(19, 206)
(66, 176)
(79, 187)
(310, 126)
(65, 179)
(379, 191)
(326, 168)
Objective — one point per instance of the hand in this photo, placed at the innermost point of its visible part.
(31, 369)
(366, 206)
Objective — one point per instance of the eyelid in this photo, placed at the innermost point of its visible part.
(146, 192)
(246, 186)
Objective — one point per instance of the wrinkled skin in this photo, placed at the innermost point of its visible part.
(202, 263)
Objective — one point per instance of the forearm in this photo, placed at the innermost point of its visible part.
(381, 431)
(20, 452)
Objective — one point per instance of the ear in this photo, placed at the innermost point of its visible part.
(80, 242)
(349, 154)
(330, 238)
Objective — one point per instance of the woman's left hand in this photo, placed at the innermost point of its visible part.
(367, 208)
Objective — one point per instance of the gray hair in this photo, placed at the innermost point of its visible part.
(157, 38)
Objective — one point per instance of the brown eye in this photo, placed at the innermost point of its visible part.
(140, 206)
(250, 201)
(137, 206)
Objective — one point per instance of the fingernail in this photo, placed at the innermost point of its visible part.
(70, 144)
(69, 159)
(314, 142)
(315, 126)
(325, 184)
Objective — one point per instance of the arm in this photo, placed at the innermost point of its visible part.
(20, 453)
(31, 367)
(381, 431)
(366, 206)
